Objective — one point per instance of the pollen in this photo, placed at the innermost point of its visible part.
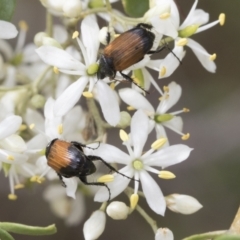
(106, 178)
(23, 25)
(166, 175)
(60, 129)
(134, 200)
(162, 71)
(182, 42)
(213, 57)
(40, 180)
(22, 127)
(130, 108)
(33, 179)
(112, 85)
(186, 110)
(19, 186)
(166, 89)
(186, 136)
(75, 35)
(123, 135)
(12, 196)
(10, 157)
(87, 94)
(55, 70)
(31, 126)
(158, 143)
(137, 164)
(165, 15)
(222, 18)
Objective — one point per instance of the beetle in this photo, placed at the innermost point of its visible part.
(126, 50)
(69, 160)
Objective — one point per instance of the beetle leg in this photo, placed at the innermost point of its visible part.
(95, 158)
(84, 180)
(61, 179)
(158, 50)
(144, 25)
(80, 145)
(131, 80)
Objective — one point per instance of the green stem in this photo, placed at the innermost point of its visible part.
(28, 230)
(39, 79)
(5, 235)
(49, 24)
(205, 236)
(148, 219)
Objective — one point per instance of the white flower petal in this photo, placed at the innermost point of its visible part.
(7, 30)
(108, 102)
(153, 193)
(116, 187)
(174, 94)
(176, 124)
(13, 143)
(109, 153)
(90, 30)
(59, 58)
(71, 187)
(139, 131)
(169, 156)
(9, 125)
(136, 100)
(70, 96)
(161, 133)
(202, 55)
(164, 234)
(48, 108)
(37, 142)
(34, 117)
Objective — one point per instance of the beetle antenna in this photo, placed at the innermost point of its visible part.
(170, 50)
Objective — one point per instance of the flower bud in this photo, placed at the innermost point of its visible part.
(125, 120)
(48, 41)
(117, 210)
(72, 8)
(164, 234)
(183, 204)
(38, 38)
(38, 101)
(95, 225)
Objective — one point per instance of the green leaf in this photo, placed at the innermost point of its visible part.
(229, 237)
(135, 8)
(5, 235)
(7, 8)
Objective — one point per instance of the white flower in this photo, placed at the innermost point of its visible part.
(69, 65)
(164, 234)
(7, 30)
(72, 211)
(160, 118)
(138, 164)
(183, 204)
(118, 210)
(95, 225)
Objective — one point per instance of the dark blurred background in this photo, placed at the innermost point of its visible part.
(212, 172)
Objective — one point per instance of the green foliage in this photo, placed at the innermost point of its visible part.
(135, 8)
(7, 8)
(229, 237)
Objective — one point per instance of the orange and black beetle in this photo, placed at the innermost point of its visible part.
(126, 50)
(69, 160)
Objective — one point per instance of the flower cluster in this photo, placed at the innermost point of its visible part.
(51, 75)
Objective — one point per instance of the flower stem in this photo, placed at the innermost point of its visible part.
(5, 235)
(49, 24)
(205, 236)
(27, 230)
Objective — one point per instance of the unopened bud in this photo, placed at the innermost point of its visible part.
(38, 101)
(125, 120)
(117, 210)
(164, 234)
(48, 41)
(72, 8)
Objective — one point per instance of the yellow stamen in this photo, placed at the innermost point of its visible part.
(166, 89)
(162, 71)
(18, 186)
(186, 136)
(166, 175)
(23, 127)
(40, 180)
(213, 57)
(158, 143)
(55, 70)
(75, 35)
(123, 135)
(12, 196)
(112, 85)
(106, 178)
(165, 15)
(23, 25)
(60, 129)
(116, 35)
(222, 18)
(134, 200)
(31, 126)
(34, 179)
(130, 108)
(87, 94)
(10, 157)
(186, 110)
(182, 42)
